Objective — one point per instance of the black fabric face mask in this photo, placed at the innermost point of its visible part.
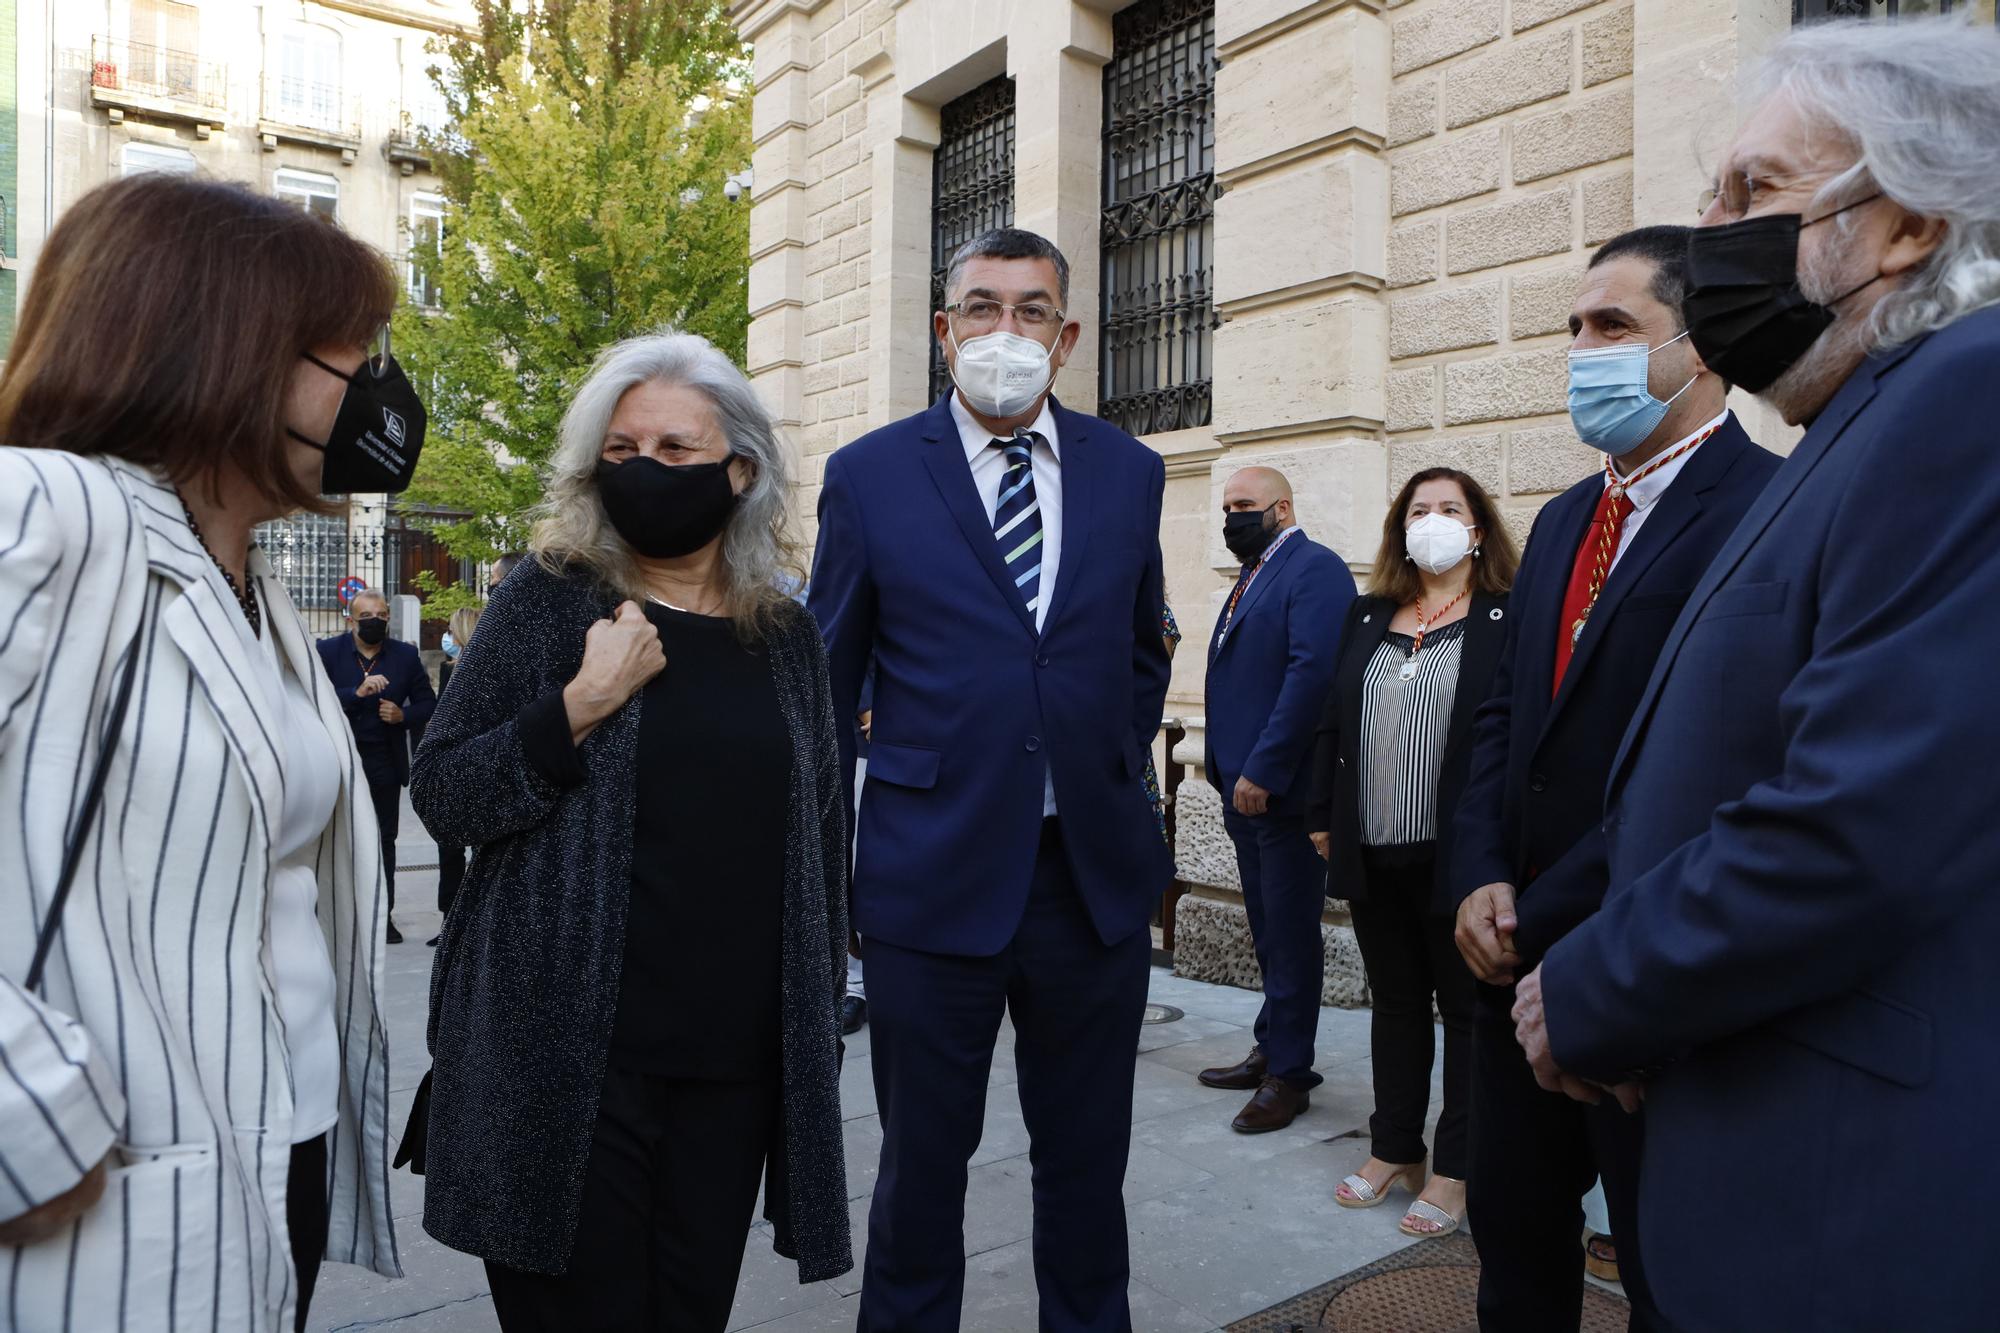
(1244, 533)
(662, 511)
(372, 630)
(377, 434)
(1745, 312)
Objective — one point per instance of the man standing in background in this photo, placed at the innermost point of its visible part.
(385, 692)
(1271, 661)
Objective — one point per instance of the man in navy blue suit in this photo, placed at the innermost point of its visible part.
(387, 696)
(1271, 661)
(998, 558)
(1617, 554)
(1795, 957)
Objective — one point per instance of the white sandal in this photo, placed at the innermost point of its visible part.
(1411, 1177)
(1423, 1210)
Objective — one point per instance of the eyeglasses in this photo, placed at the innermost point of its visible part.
(1738, 190)
(982, 314)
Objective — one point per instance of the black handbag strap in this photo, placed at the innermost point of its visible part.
(93, 796)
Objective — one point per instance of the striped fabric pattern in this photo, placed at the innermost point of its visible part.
(156, 1037)
(1017, 519)
(1404, 727)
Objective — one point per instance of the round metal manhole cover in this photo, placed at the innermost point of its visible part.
(1439, 1300)
(1161, 1013)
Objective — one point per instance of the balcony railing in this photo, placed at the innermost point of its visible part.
(306, 111)
(133, 76)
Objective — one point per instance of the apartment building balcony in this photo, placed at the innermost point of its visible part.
(159, 84)
(320, 115)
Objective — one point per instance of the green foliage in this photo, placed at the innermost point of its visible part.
(583, 177)
(440, 600)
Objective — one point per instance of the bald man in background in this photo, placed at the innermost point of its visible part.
(1270, 664)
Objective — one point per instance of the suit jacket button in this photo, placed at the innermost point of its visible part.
(1042, 660)
(1034, 744)
(1536, 782)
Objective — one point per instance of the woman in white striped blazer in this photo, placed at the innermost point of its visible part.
(194, 1093)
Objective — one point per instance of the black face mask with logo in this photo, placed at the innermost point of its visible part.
(377, 434)
(663, 512)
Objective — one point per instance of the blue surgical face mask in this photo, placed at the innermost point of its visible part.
(450, 646)
(1609, 403)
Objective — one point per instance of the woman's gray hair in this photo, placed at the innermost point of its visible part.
(1920, 101)
(762, 555)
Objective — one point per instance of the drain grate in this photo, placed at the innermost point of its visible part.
(1430, 1287)
(1161, 1013)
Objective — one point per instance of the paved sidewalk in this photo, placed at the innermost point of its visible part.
(1222, 1224)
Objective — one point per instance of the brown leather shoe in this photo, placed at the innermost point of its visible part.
(1276, 1105)
(1248, 1074)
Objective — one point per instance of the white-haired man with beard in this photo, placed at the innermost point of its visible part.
(1795, 959)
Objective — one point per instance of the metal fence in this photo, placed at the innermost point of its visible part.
(313, 554)
(142, 70)
(1158, 233)
(1802, 10)
(972, 187)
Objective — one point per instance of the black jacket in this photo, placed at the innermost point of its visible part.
(1336, 799)
(409, 689)
(1534, 802)
(525, 986)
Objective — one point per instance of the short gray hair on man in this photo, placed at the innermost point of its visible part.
(1920, 101)
(370, 595)
(761, 551)
(1008, 243)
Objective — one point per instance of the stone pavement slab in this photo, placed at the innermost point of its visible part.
(1223, 1225)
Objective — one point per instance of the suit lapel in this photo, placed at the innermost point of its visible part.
(945, 457)
(1855, 394)
(1541, 614)
(1258, 587)
(1679, 507)
(1079, 494)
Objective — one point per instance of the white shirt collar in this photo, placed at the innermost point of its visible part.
(1653, 485)
(976, 437)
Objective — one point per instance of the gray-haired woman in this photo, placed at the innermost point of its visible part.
(635, 1007)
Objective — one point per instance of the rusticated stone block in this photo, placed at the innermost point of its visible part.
(1413, 254)
(1607, 207)
(1500, 388)
(1444, 321)
(1512, 76)
(1523, 228)
(1549, 458)
(1460, 169)
(1607, 47)
(1413, 112)
(1203, 853)
(1212, 943)
(1412, 399)
(1533, 13)
(1539, 303)
(1476, 455)
(1442, 30)
(1593, 131)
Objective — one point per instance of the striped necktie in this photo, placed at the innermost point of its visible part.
(1017, 520)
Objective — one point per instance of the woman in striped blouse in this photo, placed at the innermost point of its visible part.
(1417, 659)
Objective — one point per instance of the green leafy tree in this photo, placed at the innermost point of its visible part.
(583, 176)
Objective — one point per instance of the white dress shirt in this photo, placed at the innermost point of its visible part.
(1646, 492)
(988, 466)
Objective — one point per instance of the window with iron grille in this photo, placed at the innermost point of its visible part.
(972, 187)
(1158, 234)
(1803, 10)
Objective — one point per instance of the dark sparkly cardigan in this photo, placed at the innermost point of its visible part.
(526, 979)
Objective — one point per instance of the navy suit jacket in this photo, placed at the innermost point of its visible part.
(1268, 676)
(973, 706)
(1533, 808)
(409, 688)
(1804, 848)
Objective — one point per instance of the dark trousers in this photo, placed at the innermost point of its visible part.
(1284, 892)
(1411, 959)
(386, 793)
(1076, 1004)
(1534, 1155)
(451, 874)
(306, 1218)
(667, 1199)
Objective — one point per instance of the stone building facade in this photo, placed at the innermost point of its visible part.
(1399, 197)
